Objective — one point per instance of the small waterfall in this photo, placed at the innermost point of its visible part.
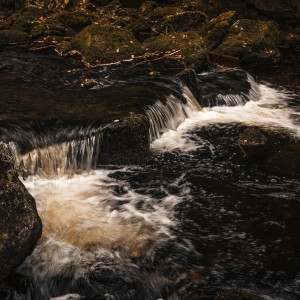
(60, 159)
(165, 116)
(240, 99)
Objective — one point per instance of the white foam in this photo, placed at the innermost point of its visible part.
(271, 111)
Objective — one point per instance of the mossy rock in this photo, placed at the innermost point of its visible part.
(47, 30)
(252, 41)
(197, 5)
(171, 19)
(10, 37)
(216, 29)
(189, 45)
(75, 20)
(132, 20)
(147, 7)
(106, 44)
(236, 294)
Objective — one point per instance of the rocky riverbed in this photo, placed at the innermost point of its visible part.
(152, 63)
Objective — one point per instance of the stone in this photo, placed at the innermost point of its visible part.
(171, 19)
(10, 37)
(20, 225)
(278, 9)
(147, 7)
(197, 5)
(252, 41)
(75, 20)
(188, 46)
(126, 141)
(106, 44)
(216, 29)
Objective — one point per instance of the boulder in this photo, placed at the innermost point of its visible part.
(252, 41)
(171, 19)
(106, 44)
(278, 9)
(126, 141)
(147, 7)
(20, 225)
(75, 20)
(188, 46)
(197, 5)
(216, 29)
(11, 37)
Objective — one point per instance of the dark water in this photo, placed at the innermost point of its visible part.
(203, 214)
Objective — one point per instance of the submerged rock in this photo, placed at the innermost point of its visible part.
(126, 141)
(20, 225)
(252, 41)
(106, 44)
(188, 46)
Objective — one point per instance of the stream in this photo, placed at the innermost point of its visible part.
(202, 214)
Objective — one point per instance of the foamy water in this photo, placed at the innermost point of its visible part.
(270, 111)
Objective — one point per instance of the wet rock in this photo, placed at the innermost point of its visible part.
(106, 44)
(221, 6)
(216, 29)
(232, 294)
(20, 225)
(11, 37)
(126, 141)
(75, 20)
(188, 46)
(252, 41)
(251, 142)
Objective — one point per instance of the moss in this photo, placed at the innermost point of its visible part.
(216, 29)
(251, 40)
(189, 45)
(106, 44)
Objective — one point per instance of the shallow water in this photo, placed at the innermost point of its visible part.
(198, 217)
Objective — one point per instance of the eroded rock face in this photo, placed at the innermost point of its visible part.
(126, 141)
(105, 44)
(20, 225)
(252, 41)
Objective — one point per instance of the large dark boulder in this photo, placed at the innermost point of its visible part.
(126, 141)
(252, 41)
(20, 225)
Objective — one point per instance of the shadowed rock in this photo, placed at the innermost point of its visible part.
(20, 225)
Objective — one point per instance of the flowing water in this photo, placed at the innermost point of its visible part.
(199, 216)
